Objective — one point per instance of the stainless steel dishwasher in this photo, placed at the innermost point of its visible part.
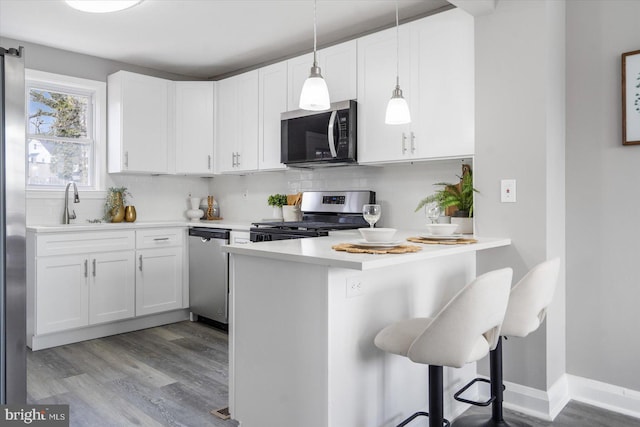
(209, 274)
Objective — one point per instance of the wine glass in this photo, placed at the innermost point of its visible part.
(371, 213)
(433, 212)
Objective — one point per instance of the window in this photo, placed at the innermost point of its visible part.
(65, 131)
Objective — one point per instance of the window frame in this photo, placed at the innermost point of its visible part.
(97, 91)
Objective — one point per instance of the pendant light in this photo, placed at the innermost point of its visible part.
(397, 108)
(102, 6)
(315, 94)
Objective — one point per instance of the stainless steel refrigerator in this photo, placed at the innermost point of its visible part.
(13, 362)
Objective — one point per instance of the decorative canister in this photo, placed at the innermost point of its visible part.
(130, 213)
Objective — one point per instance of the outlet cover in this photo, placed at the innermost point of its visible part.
(354, 286)
(508, 191)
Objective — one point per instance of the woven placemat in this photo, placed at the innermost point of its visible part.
(461, 241)
(355, 249)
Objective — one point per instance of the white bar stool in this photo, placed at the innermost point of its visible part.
(527, 308)
(462, 332)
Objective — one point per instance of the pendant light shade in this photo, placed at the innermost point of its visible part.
(315, 93)
(102, 6)
(397, 108)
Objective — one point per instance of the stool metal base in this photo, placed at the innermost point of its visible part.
(482, 421)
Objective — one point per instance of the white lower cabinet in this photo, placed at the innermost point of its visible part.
(62, 295)
(158, 280)
(81, 290)
(84, 285)
(111, 287)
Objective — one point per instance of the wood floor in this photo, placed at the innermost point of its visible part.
(167, 376)
(174, 375)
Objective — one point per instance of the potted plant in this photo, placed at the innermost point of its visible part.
(115, 203)
(456, 197)
(277, 201)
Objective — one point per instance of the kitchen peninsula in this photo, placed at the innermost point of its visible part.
(303, 318)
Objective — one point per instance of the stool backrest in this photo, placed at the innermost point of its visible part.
(475, 313)
(530, 298)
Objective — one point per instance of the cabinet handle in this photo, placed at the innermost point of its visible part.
(237, 159)
(86, 268)
(140, 266)
(209, 162)
(94, 268)
(404, 143)
(157, 239)
(126, 159)
(413, 143)
(233, 160)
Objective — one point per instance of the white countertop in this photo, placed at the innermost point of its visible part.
(86, 226)
(318, 250)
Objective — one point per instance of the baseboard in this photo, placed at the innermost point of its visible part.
(546, 405)
(541, 404)
(604, 395)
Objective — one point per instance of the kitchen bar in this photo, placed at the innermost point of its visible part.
(303, 318)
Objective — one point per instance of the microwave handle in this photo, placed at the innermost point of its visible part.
(332, 144)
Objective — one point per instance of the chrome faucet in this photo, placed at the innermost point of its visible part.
(66, 216)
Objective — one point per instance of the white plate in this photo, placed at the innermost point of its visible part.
(442, 237)
(365, 244)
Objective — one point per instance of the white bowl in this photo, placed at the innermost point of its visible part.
(441, 229)
(377, 235)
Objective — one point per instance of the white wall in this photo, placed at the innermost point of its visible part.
(603, 177)
(398, 188)
(520, 135)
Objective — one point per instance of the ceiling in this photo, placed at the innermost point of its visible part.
(201, 38)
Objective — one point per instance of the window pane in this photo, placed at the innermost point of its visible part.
(57, 114)
(55, 163)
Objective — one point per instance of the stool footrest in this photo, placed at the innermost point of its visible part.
(473, 402)
(445, 422)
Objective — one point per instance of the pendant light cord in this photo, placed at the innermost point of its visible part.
(315, 62)
(397, 47)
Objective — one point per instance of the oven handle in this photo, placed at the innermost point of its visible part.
(332, 144)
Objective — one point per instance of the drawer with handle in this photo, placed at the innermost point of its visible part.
(160, 237)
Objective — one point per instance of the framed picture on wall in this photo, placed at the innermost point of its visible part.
(631, 98)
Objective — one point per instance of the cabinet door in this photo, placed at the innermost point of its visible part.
(273, 102)
(298, 69)
(339, 69)
(158, 280)
(236, 141)
(61, 293)
(112, 286)
(144, 110)
(442, 52)
(247, 121)
(194, 127)
(377, 141)
(225, 142)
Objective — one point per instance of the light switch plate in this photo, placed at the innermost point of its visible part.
(508, 191)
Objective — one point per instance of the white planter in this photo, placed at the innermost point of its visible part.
(277, 213)
(465, 225)
(291, 213)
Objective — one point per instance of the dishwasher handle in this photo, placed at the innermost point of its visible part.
(209, 233)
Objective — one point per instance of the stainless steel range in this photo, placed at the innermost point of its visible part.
(322, 211)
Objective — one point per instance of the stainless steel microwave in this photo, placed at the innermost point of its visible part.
(319, 138)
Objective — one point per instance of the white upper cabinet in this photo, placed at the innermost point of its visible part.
(437, 78)
(138, 123)
(339, 69)
(442, 53)
(236, 141)
(194, 128)
(377, 141)
(273, 102)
